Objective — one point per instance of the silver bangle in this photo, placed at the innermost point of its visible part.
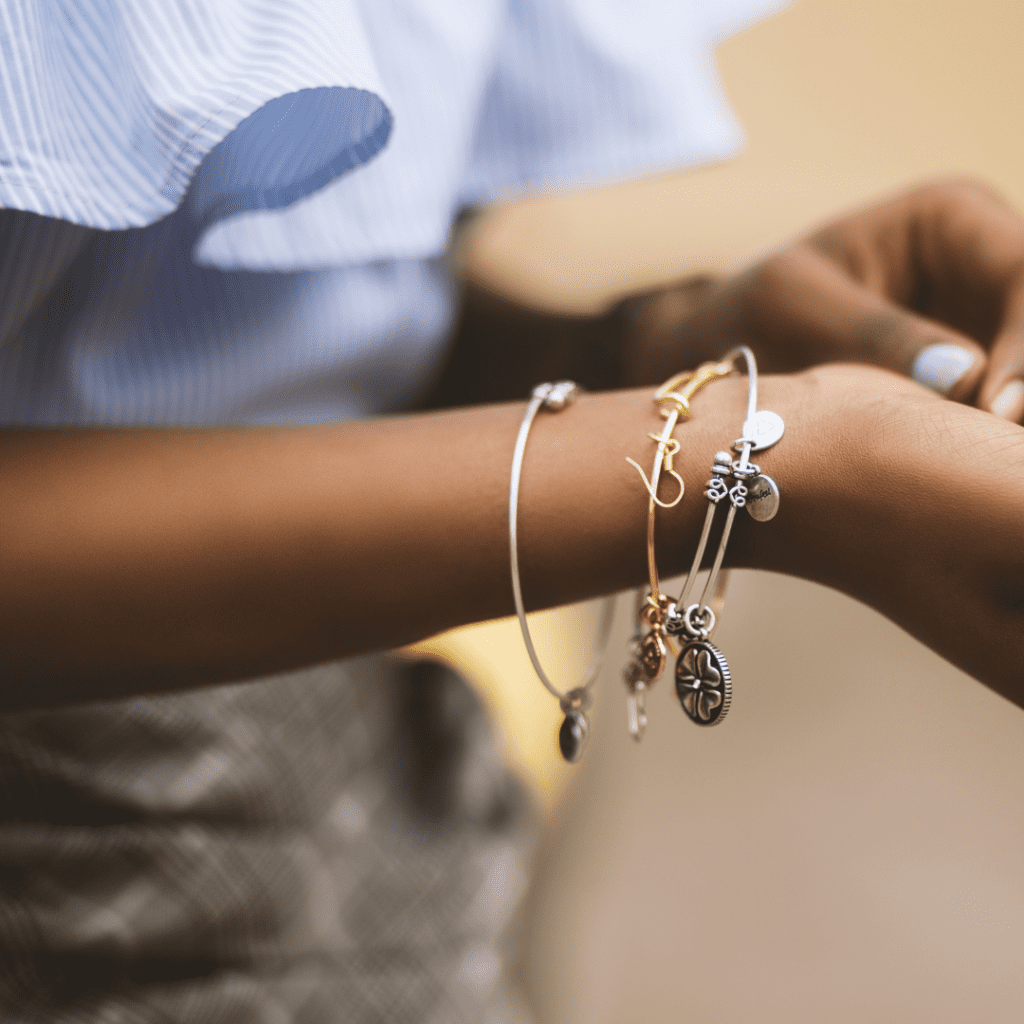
(703, 680)
(572, 734)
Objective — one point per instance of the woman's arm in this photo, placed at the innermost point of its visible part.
(137, 560)
(147, 560)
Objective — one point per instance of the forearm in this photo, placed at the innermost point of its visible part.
(141, 561)
(145, 560)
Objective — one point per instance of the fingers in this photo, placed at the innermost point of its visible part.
(811, 310)
(951, 367)
(971, 250)
(1002, 391)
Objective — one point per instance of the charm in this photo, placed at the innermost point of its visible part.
(763, 498)
(651, 653)
(716, 490)
(636, 708)
(763, 429)
(572, 736)
(675, 624)
(703, 682)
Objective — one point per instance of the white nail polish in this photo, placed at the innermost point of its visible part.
(1009, 403)
(939, 367)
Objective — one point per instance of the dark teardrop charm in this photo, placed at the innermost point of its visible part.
(572, 736)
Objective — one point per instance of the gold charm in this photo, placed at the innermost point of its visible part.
(652, 654)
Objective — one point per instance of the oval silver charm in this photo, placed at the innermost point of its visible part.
(703, 682)
(765, 428)
(762, 498)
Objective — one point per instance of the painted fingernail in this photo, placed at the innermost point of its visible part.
(1009, 403)
(939, 367)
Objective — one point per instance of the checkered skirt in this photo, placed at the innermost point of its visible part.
(337, 844)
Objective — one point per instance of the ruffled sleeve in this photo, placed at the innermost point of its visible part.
(494, 97)
(108, 107)
(592, 91)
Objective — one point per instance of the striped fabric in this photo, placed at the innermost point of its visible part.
(107, 106)
(237, 211)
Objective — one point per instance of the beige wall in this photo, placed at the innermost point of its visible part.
(849, 846)
(843, 100)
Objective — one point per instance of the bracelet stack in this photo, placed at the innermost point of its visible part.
(650, 650)
(703, 681)
(702, 678)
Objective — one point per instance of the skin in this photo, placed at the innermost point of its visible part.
(150, 560)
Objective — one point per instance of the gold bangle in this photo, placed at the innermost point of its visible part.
(703, 679)
(651, 650)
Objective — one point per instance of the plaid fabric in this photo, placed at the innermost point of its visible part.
(339, 844)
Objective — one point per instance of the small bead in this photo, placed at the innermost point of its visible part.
(674, 621)
(575, 700)
(561, 394)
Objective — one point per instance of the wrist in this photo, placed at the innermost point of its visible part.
(794, 463)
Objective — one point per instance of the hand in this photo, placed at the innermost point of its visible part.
(930, 284)
(910, 504)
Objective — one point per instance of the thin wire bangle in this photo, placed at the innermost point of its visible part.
(573, 732)
(703, 678)
(651, 650)
(746, 444)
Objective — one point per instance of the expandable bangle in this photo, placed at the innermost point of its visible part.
(651, 650)
(572, 734)
(703, 680)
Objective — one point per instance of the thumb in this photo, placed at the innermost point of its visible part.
(1002, 390)
(945, 361)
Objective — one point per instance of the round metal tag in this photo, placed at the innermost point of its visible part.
(703, 683)
(765, 428)
(762, 498)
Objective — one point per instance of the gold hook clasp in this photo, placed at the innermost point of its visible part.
(667, 448)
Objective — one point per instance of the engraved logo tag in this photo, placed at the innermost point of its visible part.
(762, 498)
(765, 428)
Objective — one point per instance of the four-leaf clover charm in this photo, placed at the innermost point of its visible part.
(703, 682)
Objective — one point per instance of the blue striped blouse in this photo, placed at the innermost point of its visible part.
(237, 210)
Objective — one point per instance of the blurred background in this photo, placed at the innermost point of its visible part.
(849, 845)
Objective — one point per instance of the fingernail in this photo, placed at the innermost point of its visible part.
(1009, 403)
(939, 367)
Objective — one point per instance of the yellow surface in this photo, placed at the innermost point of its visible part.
(493, 657)
(842, 101)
